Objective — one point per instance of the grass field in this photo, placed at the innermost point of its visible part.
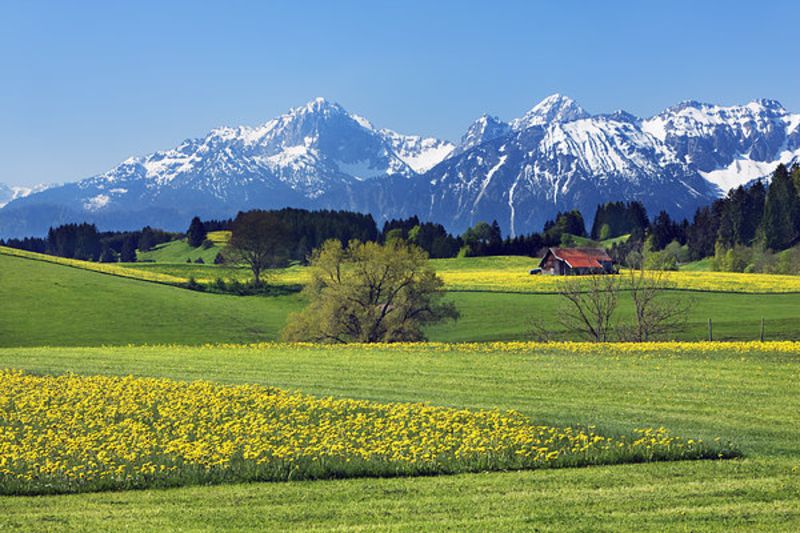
(608, 243)
(48, 304)
(179, 251)
(87, 308)
(748, 398)
(487, 274)
(497, 274)
(703, 265)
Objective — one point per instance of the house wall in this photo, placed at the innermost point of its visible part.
(551, 265)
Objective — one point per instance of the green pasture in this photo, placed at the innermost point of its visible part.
(748, 399)
(56, 305)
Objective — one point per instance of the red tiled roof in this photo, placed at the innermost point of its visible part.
(581, 257)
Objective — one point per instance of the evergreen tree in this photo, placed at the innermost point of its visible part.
(781, 221)
(108, 256)
(196, 233)
(702, 234)
(147, 239)
(128, 253)
(613, 219)
(568, 222)
(664, 230)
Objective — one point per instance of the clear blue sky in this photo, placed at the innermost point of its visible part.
(83, 85)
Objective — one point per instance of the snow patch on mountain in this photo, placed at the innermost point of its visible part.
(745, 170)
(728, 144)
(419, 153)
(96, 203)
(9, 193)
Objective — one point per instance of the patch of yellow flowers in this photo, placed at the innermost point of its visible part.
(504, 275)
(609, 348)
(520, 281)
(71, 433)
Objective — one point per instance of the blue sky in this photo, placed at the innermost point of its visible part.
(83, 85)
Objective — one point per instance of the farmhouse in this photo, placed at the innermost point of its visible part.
(576, 261)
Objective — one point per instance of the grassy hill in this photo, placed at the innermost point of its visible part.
(747, 398)
(703, 265)
(52, 304)
(746, 395)
(179, 252)
(589, 243)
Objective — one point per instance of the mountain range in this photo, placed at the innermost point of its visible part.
(555, 157)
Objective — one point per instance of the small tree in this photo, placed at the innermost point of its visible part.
(369, 292)
(655, 313)
(589, 305)
(196, 233)
(259, 240)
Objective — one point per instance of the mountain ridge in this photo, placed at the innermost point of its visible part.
(556, 156)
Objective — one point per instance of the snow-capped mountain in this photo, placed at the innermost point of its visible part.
(555, 157)
(485, 129)
(733, 145)
(524, 178)
(299, 158)
(554, 108)
(9, 193)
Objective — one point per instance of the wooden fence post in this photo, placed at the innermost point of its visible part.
(710, 331)
(761, 336)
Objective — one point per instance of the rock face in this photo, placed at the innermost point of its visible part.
(555, 157)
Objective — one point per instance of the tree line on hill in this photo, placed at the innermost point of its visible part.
(751, 229)
(83, 241)
(742, 231)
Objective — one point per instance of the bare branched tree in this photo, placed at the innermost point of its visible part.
(589, 304)
(656, 312)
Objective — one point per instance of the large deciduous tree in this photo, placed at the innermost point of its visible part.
(259, 240)
(368, 292)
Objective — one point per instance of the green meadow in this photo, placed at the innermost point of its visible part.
(749, 400)
(59, 319)
(56, 305)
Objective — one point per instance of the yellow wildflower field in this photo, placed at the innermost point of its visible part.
(521, 281)
(663, 348)
(72, 433)
(220, 238)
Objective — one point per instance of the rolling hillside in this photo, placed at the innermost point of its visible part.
(91, 308)
(48, 304)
